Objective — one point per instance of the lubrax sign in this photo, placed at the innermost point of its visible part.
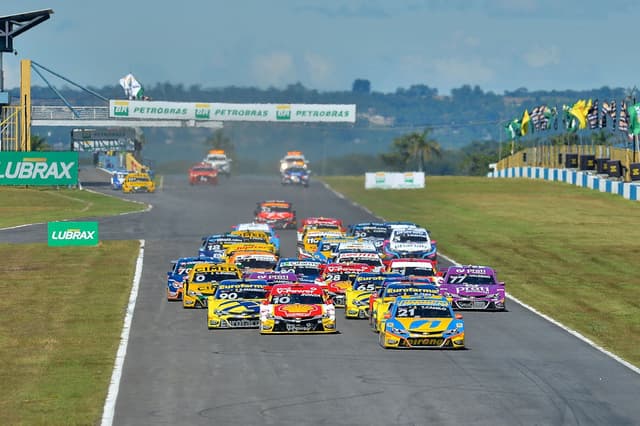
(72, 234)
(38, 168)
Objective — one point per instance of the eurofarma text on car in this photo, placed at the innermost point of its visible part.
(356, 305)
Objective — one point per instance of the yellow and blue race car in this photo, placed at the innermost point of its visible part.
(236, 304)
(388, 294)
(356, 297)
(422, 322)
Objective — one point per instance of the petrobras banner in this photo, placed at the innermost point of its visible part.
(72, 234)
(327, 113)
(38, 168)
(387, 180)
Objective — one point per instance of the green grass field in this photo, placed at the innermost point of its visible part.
(62, 316)
(573, 253)
(35, 205)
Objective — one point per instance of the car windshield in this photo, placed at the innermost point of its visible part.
(203, 169)
(275, 209)
(300, 269)
(241, 293)
(340, 276)
(291, 298)
(410, 238)
(371, 261)
(296, 170)
(378, 233)
(183, 268)
(256, 263)
(138, 179)
(471, 279)
(414, 270)
(207, 277)
(422, 311)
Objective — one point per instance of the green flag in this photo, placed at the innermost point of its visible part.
(634, 119)
(512, 128)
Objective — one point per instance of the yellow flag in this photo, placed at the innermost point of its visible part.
(524, 127)
(580, 110)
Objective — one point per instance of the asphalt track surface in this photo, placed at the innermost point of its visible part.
(518, 369)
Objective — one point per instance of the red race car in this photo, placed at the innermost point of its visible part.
(277, 213)
(203, 173)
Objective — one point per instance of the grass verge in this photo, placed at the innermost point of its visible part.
(573, 253)
(62, 316)
(35, 205)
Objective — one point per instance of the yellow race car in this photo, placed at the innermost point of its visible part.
(138, 182)
(236, 304)
(356, 305)
(421, 322)
(203, 280)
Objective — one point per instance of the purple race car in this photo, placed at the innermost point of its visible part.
(473, 287)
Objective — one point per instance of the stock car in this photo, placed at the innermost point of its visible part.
(273, 277)
(138, 182)
(473, 287)
(215, 245)
(179, 272)
(295, 176)
(253, 261)
(203, 281)
(356, 304)
(368, 258)
(307, 271)
(409, 242)
(328, 246)
(297, 308)
(337, 278)
(203, 173)
(236, 304)
(417, 268)
(308, 245)
(388, 293)
(277, 213)
(376, 232)
(319, 222)
(117, 178)
(421, 322)
(255, 226)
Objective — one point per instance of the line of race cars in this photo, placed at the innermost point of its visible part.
(383, 272)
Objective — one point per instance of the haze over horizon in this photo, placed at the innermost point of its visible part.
(499, 45)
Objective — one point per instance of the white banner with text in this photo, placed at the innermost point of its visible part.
(323, 113)
(394, 180)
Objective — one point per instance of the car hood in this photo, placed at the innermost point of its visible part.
(471, 290)
(236, 307)
(297, 310)
(425, 325)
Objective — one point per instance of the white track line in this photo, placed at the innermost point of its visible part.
(112, 395)
(530, 308)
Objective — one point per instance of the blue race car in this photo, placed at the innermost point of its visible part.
(179, 271)
(117, 177)
(296, 176)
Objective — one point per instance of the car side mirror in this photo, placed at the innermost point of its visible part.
(458, 316)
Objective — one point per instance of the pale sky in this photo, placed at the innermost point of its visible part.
(325, 45)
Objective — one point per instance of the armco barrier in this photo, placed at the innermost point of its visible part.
(628, 190)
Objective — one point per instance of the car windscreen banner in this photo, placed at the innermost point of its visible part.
(39, 168)
(72, 234)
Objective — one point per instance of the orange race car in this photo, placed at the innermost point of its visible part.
(203, 173)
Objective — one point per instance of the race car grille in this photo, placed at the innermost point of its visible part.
(298, 325)
(338, 300)
(422, 341)
(471, 304)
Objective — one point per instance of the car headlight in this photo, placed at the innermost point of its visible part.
(394, 330)
(218, 312)
(360, 302)
(192, 293)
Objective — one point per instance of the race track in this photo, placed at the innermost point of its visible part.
(518, 369)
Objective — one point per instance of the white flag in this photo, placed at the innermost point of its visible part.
(132, 88)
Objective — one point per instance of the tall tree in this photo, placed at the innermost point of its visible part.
(38, 143)
(422, 148)
(218, 140)
(361, 86)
